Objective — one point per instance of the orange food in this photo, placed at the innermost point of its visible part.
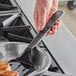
(11, 73)
(4, 66)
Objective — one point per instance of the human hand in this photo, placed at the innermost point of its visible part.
(44, 9)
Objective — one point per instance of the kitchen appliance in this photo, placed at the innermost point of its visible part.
(21, 38)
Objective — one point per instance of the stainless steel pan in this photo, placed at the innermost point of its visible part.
(12, 50)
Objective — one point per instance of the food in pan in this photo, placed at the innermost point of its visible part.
(11, 73)
(4, 66)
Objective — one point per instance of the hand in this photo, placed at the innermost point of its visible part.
(44, 9)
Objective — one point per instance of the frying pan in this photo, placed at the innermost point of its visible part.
(9, 54)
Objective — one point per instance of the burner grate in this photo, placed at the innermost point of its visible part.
(5, 2)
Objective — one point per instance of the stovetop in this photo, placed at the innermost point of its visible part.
(20, 29)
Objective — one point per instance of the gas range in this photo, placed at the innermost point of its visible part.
(15, 26)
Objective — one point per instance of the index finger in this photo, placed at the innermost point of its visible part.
(41, 19)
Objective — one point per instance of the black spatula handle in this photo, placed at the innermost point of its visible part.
(47, 27)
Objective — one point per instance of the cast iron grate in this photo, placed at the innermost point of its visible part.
(5, 2)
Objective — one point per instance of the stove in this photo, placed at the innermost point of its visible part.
(19, 29)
